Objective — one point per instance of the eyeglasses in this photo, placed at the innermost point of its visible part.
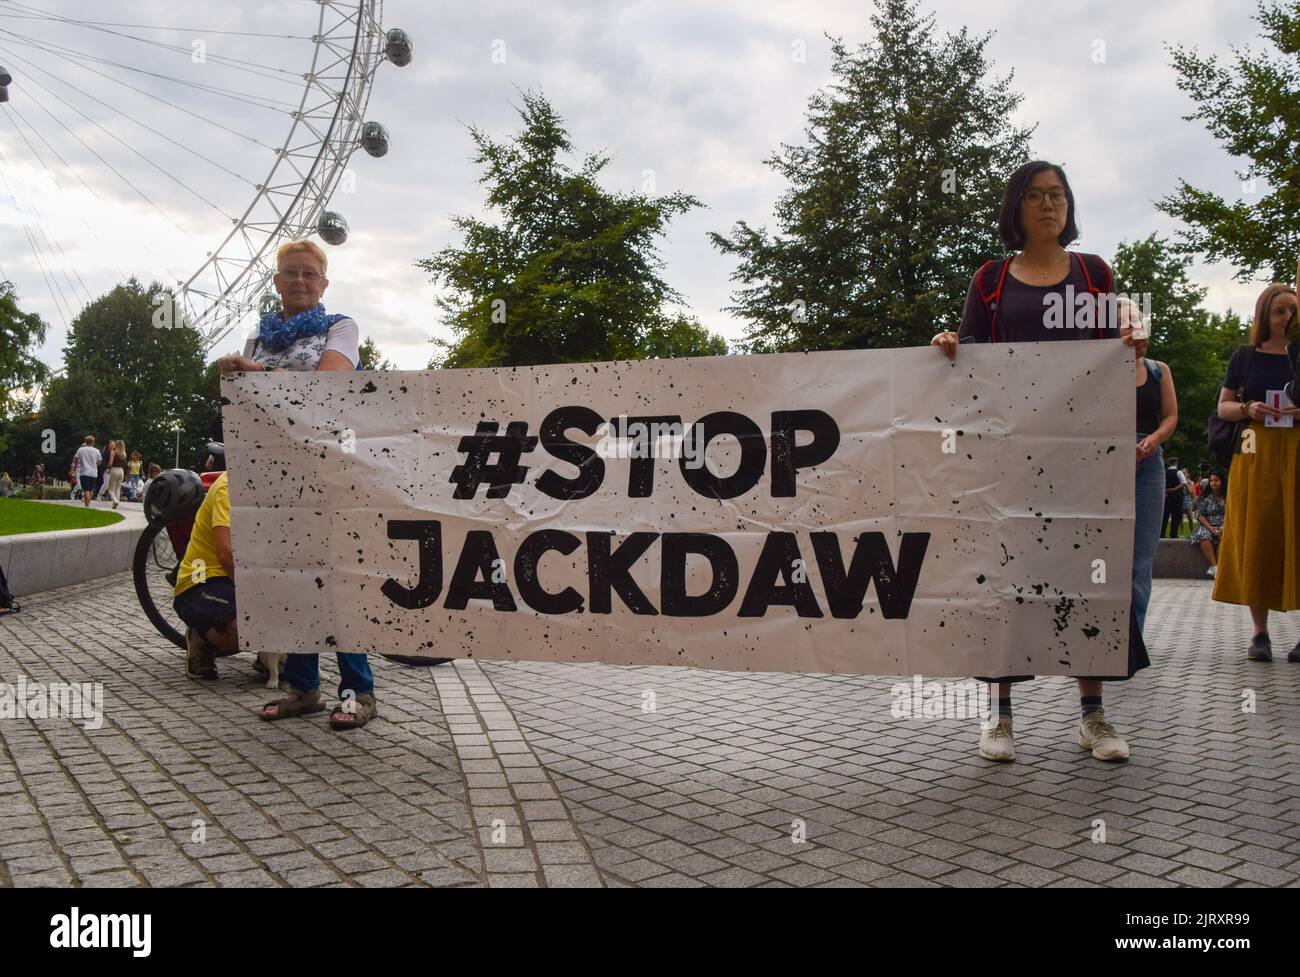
(1033, 196)
(306, 276)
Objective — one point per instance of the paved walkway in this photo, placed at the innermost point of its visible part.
(533, 774)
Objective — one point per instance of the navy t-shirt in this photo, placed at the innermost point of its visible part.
(1259, 372)
(1023, 315)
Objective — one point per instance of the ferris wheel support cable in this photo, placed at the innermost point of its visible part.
(35, 249)
(48, 281)
(260, 101)
(179, 182)
(250, 66)
(158, 27)
(144, 196)
(253, 274)
(158, 98)
(31, 97)
(39, 224)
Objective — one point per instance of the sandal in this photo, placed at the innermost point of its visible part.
(360, 711)
(294, 704)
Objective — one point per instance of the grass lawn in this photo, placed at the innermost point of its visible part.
(22, 516)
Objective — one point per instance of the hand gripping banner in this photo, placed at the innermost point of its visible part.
(878, 512)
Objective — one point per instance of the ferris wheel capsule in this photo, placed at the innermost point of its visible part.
(332, 227)
(397, 47)
(269, 303)
(5, 77)
(374, 139)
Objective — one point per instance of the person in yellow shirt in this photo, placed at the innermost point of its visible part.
(205, 586)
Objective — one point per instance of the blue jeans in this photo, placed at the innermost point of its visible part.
(1148, 512)
(302, 672)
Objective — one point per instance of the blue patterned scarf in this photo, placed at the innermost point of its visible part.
(276, 333)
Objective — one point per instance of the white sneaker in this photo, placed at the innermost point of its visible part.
(1211, 572)
(995, 740)
(1099, 736)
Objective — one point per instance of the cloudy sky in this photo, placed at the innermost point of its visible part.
(697, 92)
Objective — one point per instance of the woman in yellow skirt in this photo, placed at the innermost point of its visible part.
(1259, 560)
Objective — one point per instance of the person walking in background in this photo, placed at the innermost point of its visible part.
(114, 460)
(1174, 508)
(1005, 303)
(101, 482)
(6, 485)
(1208, 520)
(1157, 419)
(1259, 558)
(133, 480)
(88, 459)
(38, 481)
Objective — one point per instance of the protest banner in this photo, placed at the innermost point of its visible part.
(873, 512)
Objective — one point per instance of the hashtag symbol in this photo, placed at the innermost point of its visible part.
(479, 447)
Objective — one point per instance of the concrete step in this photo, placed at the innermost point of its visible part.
(1181, 560)
(34, 562)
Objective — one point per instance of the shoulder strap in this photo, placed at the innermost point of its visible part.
(1245, 351)
(989, 280)
(1096, 273)
(1153, 368)
(1099, 281)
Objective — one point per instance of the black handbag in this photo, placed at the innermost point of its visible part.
(1224, 437)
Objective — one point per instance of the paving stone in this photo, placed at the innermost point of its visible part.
(572, 877)
(708, 791)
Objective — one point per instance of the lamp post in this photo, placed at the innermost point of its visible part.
(178, 447)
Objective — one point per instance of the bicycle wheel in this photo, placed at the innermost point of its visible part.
(154, 568)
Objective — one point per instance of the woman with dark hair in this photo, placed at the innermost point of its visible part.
(1012, 300)
(1259, 559)
(1209, 521)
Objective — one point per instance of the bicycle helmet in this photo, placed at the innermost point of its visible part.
(217, 452)
(174, 494)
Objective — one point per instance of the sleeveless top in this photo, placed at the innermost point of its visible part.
(1148, 400)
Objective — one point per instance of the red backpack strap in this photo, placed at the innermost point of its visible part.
(1100, 281)
(989, 280)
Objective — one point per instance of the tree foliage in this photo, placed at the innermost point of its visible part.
(892, 201)
(1251, 104)
(570, 272)
(127, 378)
(21, 334)
(372, 357)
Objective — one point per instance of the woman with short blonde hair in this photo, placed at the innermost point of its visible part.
(303, 337)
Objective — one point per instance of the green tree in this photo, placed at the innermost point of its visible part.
(1194, 342)
(570, 273)
(127, 378)
(372, 357)
(1252, 106)
(892, 200)
(21, 334)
